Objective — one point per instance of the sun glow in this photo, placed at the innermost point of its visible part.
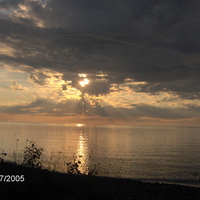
(80, 125)
(84, 82)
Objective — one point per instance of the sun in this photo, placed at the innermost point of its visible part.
(84, 82)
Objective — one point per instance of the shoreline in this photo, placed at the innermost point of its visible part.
(43, 184)
(188, 183)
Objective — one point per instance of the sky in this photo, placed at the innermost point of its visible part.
(102, 61)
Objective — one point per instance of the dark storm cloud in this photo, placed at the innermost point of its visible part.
(185, 88)
(144, 40)
(7, 4)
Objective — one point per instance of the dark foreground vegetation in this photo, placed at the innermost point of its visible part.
(40, 184)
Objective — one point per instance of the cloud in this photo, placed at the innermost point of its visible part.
(7, 4)
(44, 107)
(97, 83)
(185, 88)
(139, 56)
(155, 23)
(17, 86)
(38, 78)
(76, 50)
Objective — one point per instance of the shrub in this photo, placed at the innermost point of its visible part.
(73, 167)
(32, 155)
(3, 154)
(93, 171)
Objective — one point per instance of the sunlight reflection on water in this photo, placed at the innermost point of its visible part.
(82, 153)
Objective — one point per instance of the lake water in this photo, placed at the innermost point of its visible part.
(148, 153)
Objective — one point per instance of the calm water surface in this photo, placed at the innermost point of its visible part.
(164, 154)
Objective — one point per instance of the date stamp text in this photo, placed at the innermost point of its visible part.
(12, 178)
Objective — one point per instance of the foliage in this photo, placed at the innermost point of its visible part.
(93, 171)
(73, 167)
(3, 154)
(32, 155)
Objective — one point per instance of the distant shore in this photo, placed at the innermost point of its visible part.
(42, 184)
